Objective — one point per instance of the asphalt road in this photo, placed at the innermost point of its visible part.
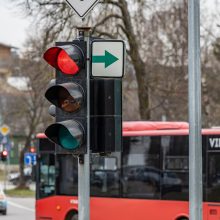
(20, 209)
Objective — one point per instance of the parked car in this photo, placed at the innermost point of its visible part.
(13, 177)
(3, 202)
(160, 179)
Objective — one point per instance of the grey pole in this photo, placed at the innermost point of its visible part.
(195, 140)
(84, 160)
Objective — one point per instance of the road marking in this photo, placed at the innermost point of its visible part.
(20, 206)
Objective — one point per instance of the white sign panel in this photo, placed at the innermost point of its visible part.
(82, 7)
(108, 58)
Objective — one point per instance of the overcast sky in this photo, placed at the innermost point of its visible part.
(14, 27)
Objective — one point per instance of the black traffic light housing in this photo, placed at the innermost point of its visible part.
(106, 115)
(68, 96)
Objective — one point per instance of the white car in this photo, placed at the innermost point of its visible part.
(14, 177)
(3, 202)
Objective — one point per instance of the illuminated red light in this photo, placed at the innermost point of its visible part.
(32, 150)
(59, 59)
(5, 153)
(66, 64)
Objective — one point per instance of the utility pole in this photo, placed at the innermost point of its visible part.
(84, 160)
(195, 139)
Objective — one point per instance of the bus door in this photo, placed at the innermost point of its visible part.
(213, 178)
(45, 184)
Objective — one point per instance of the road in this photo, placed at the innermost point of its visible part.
(20, 208)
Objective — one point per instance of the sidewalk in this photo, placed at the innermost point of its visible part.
(8, 185)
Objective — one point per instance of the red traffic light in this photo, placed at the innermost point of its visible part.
(32, 149)
(67, 59)
(4, 153)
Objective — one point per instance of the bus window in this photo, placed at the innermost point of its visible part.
(141, 167)
(213, 184)
(47, 175)
(175, 168)
(67, 179)
(105, 176)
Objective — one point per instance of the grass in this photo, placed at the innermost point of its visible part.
(20, 193)
(2, 175)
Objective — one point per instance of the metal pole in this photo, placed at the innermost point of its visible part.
(195, 139)
(5, 177)
(84, 160)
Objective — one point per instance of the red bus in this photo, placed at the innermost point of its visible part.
(147, 180)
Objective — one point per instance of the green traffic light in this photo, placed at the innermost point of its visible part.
(66, 140)
(68, 134)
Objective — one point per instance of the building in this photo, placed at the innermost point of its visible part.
(8, 94)
(7, 54)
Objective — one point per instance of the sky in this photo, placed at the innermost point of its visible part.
(14, 27)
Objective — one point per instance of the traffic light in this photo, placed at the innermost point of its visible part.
(32, 149)
(106, 115)
(68, 96)
(4, 155)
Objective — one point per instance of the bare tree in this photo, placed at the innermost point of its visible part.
(30, 108)
(217, 48)
(157, 44)
(60, 21)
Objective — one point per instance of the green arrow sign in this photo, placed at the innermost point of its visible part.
(108, 59)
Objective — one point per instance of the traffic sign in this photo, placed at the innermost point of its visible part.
(108, 58)
(82, 7)
(5, 130)
(30, 159)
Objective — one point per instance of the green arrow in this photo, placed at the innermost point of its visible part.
(108, 59)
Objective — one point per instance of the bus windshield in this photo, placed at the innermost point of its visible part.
(47, 175)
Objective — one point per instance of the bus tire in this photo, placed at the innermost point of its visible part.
(72, 215)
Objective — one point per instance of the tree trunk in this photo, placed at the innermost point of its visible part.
(139, 65)
(22, 182)
(143, 94)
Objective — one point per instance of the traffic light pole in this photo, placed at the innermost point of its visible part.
(84, 160)
(195, 139)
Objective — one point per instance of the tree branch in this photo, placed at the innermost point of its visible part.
(102, 22)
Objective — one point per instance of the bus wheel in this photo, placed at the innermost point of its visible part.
(183, 218)
(72, 215)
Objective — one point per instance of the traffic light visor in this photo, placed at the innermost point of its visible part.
(68, 134)
(62, 59)
(67, 96)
